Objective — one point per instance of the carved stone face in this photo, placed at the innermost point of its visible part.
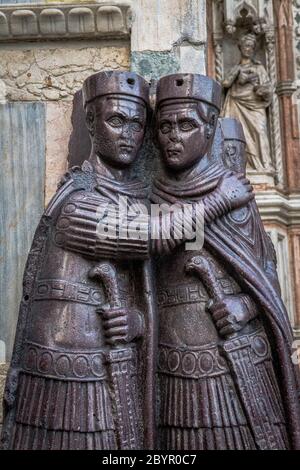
(247, 48)
(117, 127)
(234, 155)
(185, 132)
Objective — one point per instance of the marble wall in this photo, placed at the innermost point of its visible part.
(55, 73)
(22, 183)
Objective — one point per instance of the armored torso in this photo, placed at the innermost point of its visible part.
(204, 393)
(65, 395)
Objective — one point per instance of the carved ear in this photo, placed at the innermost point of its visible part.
(90, 120)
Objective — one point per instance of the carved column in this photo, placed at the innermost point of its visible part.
(218, 60)
(210, 52)
(295, 252)
(285, 90)
(274, 109)
(272, 20)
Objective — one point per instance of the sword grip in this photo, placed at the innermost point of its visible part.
(201, 266)
(120, 361)
(107, 274)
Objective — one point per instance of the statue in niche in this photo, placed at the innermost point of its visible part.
(226, 378)
(249, 95)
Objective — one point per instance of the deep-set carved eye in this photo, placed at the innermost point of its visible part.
(186, 126)
(165, 127)
(115, 121)
(137, 126)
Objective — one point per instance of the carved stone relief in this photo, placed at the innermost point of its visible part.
(249, 93)
(232, 21)
(58, 21)
(88, 367)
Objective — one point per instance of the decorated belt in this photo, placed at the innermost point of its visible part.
(206, 361)
(191, 363)
(188, 293)
(62, 365)
(59, 289)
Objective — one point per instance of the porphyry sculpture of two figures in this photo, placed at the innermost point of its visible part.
(126, 339)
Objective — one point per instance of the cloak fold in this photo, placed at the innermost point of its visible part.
(250, 275)
(62, 433)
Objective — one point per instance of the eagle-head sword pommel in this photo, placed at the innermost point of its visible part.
(107, 274)
(200, 266)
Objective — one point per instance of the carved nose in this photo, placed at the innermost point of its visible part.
(126, 131)
(174, 137)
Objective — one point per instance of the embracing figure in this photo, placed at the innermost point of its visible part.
(85, 363)
(75, 380)
(226, 377)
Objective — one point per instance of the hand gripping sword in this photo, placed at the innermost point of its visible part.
(120, 361)
(237, 350)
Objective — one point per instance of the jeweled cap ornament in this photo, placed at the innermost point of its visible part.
(232, 129)
(193, 86)
(115, 83)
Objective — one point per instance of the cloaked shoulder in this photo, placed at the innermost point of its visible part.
(76, 178)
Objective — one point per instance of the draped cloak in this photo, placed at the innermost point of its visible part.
(227, 243)
(77, 180)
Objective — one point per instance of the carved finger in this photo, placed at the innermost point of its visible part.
(115, 340)
(230, 329)
(117, 331)
(223, 323)
(219, 314)
(113, 313)
(114, 322)
(103, 308)
(215, 306)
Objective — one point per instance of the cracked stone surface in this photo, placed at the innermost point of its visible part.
(54, 74)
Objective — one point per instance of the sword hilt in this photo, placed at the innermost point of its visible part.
(119, 359)
(107, 274)
(202, 268)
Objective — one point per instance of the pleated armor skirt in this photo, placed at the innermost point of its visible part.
(63, 414)
(201, 408)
